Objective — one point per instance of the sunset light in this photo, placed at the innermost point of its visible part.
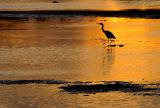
(79, 53)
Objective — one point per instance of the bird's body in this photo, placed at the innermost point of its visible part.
(108, 34)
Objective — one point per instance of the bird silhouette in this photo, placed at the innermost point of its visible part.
(108, 34)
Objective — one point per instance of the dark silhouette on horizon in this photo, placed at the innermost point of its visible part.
(108, 34)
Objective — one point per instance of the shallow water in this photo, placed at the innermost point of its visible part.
(78, 4)
(44, 96)
(72, 48)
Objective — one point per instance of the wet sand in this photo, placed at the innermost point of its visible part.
(78, 4)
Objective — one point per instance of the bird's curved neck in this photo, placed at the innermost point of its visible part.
(103, 28)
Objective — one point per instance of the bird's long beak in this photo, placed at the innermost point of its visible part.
(104, 20)
(99, 23)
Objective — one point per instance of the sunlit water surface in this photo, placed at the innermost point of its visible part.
(72, 48)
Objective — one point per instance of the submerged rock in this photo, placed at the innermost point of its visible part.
(112, 45)
(115, 45)
(121, 45)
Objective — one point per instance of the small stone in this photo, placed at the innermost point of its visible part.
(121, 45)
(55, 2)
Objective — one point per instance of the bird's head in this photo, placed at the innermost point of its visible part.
(100, 23)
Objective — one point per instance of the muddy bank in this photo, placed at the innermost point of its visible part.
(76, 87)
(137, 89)
(149, 13)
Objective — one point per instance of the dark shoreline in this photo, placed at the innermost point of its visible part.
(150, 13)
(22, 82)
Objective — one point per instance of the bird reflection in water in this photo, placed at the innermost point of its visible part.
(108, 58)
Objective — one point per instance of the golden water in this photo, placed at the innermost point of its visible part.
(72, 49)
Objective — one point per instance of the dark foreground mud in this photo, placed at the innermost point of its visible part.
(136, 89)
(149, 89)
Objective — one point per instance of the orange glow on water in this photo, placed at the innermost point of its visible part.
(73, 49)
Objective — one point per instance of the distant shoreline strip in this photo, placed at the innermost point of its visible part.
(21, 82)
(150, 13)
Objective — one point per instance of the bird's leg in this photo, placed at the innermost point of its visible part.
(112, 40)
(108, 40)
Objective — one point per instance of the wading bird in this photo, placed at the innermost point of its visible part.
(108, 34)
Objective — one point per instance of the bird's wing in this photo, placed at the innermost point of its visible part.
(110, 34)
